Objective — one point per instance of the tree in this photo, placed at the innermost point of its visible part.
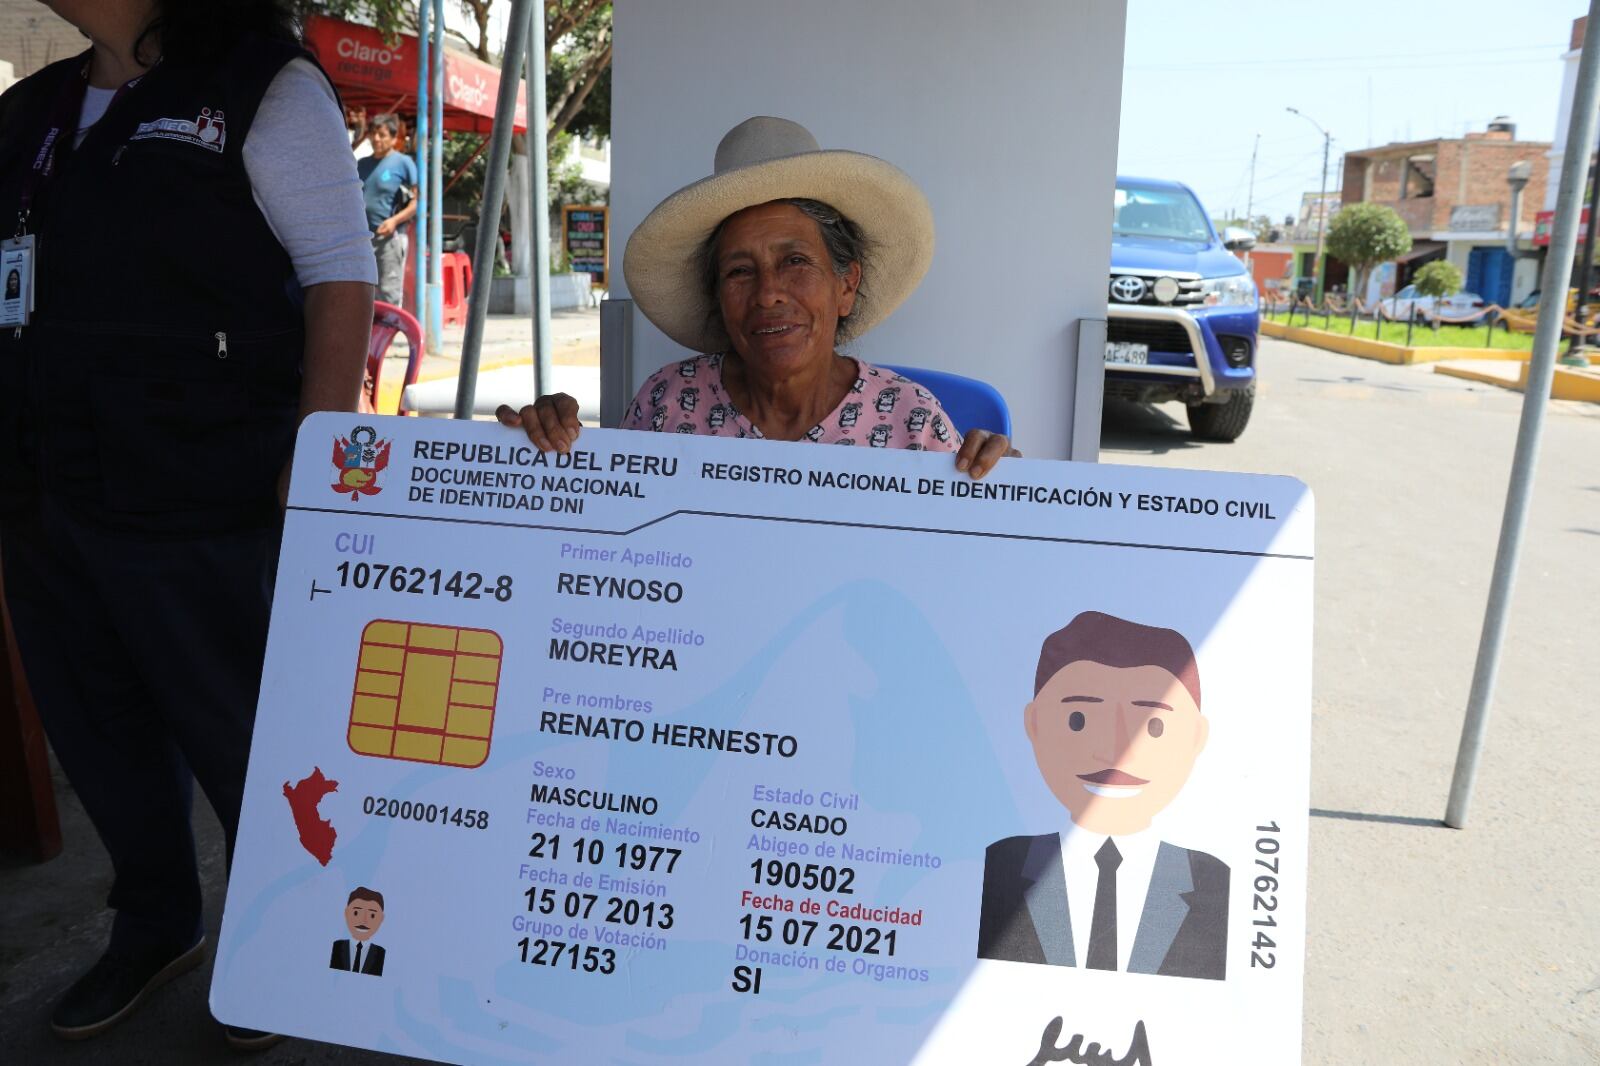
(577, 61)
(389, 17)
(1364, 235)
(1438, 279)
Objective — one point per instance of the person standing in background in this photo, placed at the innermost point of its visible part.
(389, 186)
(202, 283)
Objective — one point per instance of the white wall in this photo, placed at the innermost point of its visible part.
(932, 86)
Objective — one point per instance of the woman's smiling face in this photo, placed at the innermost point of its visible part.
(780, 298)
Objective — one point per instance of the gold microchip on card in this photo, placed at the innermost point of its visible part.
(425, 693)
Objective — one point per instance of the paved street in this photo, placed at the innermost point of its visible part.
(1427, 945)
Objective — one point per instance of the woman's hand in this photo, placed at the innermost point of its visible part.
(980, 450)
(551, 421)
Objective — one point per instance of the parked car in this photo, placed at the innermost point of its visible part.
(1183, 312)
(1460, 305)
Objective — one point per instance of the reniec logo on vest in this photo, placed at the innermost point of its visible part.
(359, 458)
(208, 131)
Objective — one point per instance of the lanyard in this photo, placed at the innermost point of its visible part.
(63, 120)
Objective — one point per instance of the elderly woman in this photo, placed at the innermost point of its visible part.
(767, 265)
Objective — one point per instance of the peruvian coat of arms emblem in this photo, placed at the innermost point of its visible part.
(359, 458)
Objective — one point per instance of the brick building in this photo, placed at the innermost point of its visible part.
(1453, 196)
(33, 36)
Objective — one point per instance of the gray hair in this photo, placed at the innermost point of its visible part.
(845, 241)
(392, 122)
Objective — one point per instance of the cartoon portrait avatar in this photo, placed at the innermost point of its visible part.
(1116, 727)
(363, 915)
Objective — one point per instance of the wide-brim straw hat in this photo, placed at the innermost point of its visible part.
(760, 160)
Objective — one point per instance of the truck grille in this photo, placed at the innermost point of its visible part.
(1160, 336)
(1189, 294)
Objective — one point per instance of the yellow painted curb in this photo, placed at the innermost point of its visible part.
(1572, 383)
(394, 379)
(1569, 383)
(1357, 346)
(1486, 375)
(1382, 351)
(1439, 355)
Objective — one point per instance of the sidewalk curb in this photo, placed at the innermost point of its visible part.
(1570, 383)
(392, 385)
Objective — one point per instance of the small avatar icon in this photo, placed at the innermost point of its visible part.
(359, 458)
(363, 916)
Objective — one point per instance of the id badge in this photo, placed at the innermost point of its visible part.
(17, 263)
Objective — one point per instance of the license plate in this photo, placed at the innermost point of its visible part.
(1127, 352)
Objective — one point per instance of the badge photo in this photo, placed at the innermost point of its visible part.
(16, 277)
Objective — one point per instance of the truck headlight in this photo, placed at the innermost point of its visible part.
(1235, 290)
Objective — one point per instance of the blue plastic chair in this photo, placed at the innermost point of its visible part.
(970, 403)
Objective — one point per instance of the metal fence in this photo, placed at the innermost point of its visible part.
(1350, 311)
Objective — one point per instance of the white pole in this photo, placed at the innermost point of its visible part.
(419, 226)
(539, 205)
(494, 184)
(1541, 371)
(435, 179)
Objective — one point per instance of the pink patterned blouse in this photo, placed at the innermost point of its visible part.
(882, 409)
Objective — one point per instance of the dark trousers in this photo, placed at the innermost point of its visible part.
(144, 657)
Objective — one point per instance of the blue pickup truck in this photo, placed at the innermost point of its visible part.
(1182, 315)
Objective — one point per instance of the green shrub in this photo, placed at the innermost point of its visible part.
(1438, 279)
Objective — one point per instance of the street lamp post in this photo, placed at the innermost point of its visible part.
(1517, 179)
(1322, 205)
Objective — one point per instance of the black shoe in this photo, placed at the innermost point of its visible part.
(251, 1039)
(115, 985)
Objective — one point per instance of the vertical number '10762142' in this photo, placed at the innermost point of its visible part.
(1265, 900)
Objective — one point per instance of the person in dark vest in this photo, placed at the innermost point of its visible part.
(202, 280)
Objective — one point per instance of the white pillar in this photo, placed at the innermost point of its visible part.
(1005, 114)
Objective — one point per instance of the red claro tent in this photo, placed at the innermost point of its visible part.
(371, 73)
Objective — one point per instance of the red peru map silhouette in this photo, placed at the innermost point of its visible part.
(316, 833)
